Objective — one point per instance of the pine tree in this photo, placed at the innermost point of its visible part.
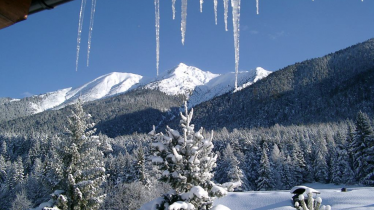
(253, 158)
(320, 168)
(105, 145)
(4, 150)
(129, 173)
(229, 170)
(264, 180)
(341, 170)
(2, 170)
(300, 167)
(277, 158)
(349, 142)
(141, 171)
(186, 162)
(15, 175)
(288, 179)
(52, 171)
(362, 146)
(83, 166)
(21, 201)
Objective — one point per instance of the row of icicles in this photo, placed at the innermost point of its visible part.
(236, 20)
(235, 4)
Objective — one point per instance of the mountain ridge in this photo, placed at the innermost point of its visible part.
(180, 80)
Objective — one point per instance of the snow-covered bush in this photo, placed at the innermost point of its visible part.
(310, 203)
(185, 162)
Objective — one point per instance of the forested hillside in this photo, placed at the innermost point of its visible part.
(13, 109)
(327, 89)
(136, 111)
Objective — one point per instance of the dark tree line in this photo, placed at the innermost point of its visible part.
(281, 157)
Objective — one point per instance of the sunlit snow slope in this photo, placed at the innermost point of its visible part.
(225, 83)
(104, 86)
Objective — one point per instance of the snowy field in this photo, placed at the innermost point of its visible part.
(357, 198)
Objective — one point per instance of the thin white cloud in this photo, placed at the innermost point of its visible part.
(276, 35)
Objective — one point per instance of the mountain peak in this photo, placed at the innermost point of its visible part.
(182, 79)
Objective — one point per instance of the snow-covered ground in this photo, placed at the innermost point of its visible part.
(356, 198)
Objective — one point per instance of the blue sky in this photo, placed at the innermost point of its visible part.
(38, 55)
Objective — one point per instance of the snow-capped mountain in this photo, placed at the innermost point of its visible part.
(101, 87)
(225, 83)
(197, 85)
(182, 79)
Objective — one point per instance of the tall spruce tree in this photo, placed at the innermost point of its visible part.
(186, 161)
(83, 165)
(362, 147)
(341, 170)
(276, 162)
(229, 170)
(140, 165)
(265, 174)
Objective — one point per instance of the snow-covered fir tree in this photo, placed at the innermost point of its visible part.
(186, 161)
(2, 170)
(287, 175)
(276, 162)
(140, 165)
(21, 202)
(82, 164)
(15, 175)
(299, 164)
(4, 150)
(320, 168)
(265, 174)
(362, 148)
(341, 172)
(229, 170)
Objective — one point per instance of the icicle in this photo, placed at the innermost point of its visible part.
(257, 6)
(184, 19)
(215, 10)
(235, 4)
(157, 17)
(201, 5)
(80, 24)
(226, 8)
(173, 7)
(93, 9)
